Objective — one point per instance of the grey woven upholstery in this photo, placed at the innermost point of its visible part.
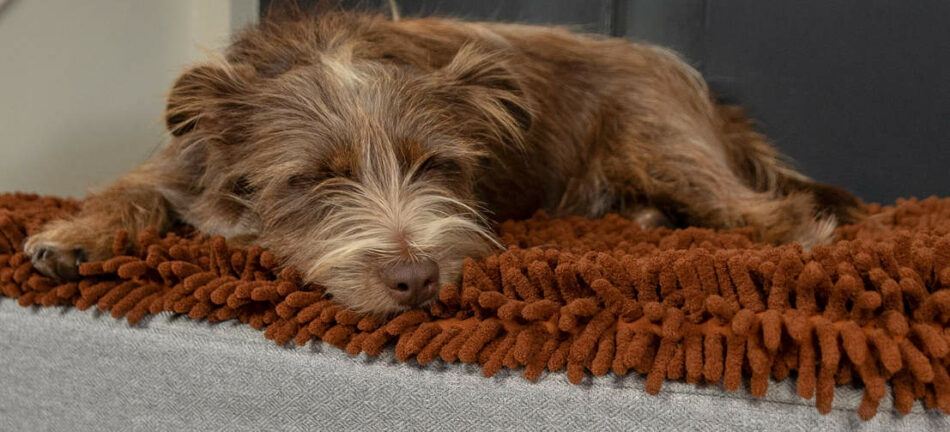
(62, 369)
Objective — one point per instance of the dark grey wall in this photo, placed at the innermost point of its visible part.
(856, 92)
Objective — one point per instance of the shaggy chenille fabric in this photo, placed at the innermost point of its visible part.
(585, 296)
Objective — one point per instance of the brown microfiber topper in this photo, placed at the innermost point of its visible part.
(582, 295)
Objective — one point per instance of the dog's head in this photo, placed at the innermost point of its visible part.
(355, 167)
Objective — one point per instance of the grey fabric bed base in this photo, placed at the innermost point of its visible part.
(66, 370)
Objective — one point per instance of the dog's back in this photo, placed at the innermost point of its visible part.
(593, 98)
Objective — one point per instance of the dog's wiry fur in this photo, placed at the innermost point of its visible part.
(344, 142)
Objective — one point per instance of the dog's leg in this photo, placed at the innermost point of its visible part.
(132, 203)
(712, 195)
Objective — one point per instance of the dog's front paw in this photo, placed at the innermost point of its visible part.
(55, 255)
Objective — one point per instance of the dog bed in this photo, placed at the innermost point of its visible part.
(584, 298)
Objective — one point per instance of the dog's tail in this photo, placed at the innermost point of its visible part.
(764, 168)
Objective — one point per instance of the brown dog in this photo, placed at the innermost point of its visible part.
(371, 154)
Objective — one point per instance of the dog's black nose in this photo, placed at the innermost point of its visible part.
(412, 283)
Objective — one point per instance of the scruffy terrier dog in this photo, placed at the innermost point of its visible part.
(372, 154)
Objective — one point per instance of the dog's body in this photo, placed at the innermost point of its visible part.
(368, 152)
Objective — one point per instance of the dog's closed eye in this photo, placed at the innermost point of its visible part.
(309, 180)
(242, 187)
(313, 179)
(439, 165)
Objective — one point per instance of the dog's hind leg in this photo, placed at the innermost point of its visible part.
(760, 164)
(706, 193)
(688, 175)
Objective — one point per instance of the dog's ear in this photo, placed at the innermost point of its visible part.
(482, 81)
(196, 94)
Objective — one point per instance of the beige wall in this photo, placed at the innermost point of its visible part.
(82, 83)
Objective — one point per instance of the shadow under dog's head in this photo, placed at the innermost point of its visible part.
(348, 150)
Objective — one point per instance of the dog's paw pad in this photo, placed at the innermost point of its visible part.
(55, 261)
(650, 218)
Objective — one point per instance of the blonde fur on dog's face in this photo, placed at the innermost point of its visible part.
(341, 231)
